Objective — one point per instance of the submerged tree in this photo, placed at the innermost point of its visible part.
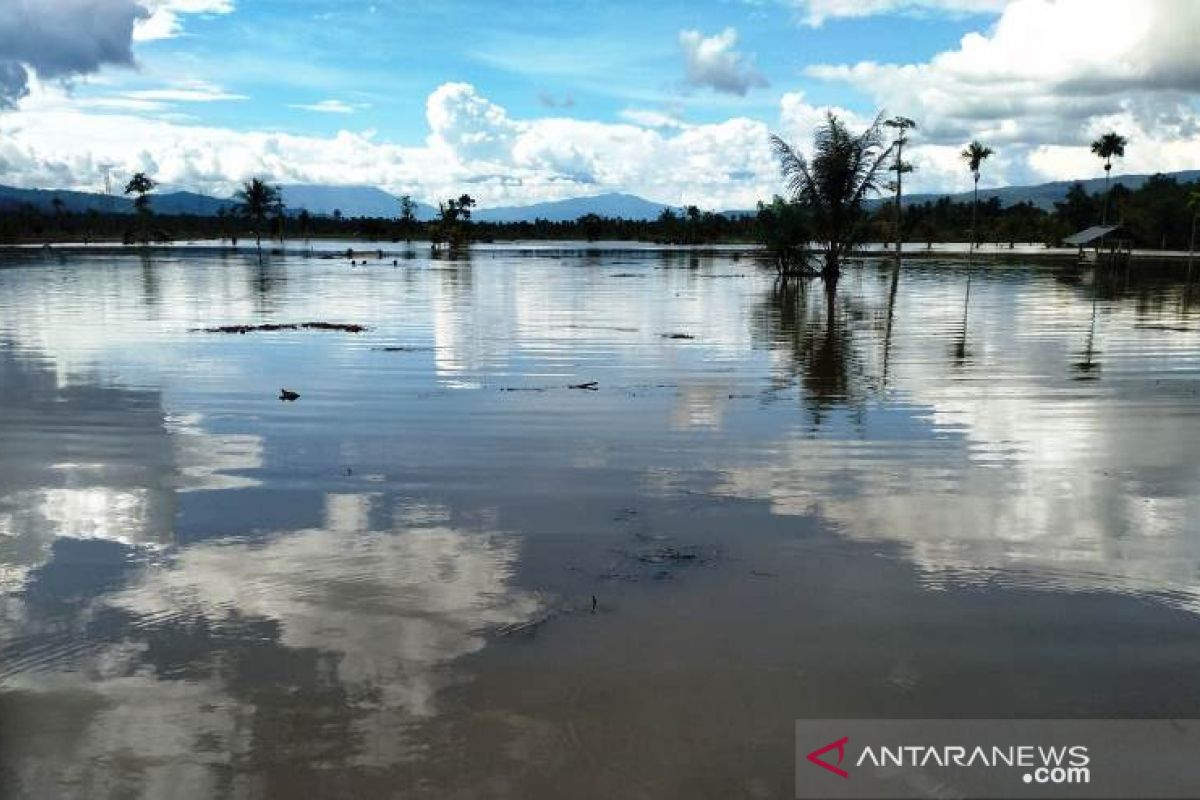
(834, 185)
(455, 213)
(784, 230)
(975, 154)
(1109, 146)
(258, 200)
(408, 217)
(902, 126)
(142, 185)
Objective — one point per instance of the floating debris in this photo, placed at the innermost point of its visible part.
(288, 396)
(590, 386)
(401, 348)
(1169, 328)
(678, 336)
(285, 326)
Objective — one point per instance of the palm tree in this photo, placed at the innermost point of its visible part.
(834, 184)
(258, 199)
(902, 125)
(1109, 146)
(975, 154)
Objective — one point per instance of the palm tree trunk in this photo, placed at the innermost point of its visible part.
(1107, 175)
(832, 267)
(899, 192)
(974, 214)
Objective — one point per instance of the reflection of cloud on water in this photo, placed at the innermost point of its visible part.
(701, 406)
(209, 461)
(1004, 469)
(392, 604)
(384, 613)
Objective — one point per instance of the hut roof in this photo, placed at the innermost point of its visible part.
(1090, 235)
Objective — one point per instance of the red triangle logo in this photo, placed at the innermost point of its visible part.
(840, 746)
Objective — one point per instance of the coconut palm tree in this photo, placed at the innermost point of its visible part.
(1109, 146)
(975, 154)
(258, 199)
(902, 126)
(834, 185)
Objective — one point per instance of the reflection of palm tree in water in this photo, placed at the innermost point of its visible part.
(1088, 368)
(961, 354)
(817, 339)
(151, 291)
(891, 316)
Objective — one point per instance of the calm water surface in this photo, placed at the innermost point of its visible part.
(905, 500)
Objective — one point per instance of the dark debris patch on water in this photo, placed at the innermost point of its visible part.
(657, 559)
(403, 349)
(678, 336)
(285, 326)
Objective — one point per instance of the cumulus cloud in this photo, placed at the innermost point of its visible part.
(473, 145)
(712, 62)
(1046, 79)
(61, 39)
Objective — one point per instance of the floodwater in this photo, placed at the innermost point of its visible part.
(903, 500)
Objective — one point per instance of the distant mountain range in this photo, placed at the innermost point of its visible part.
(352, 201)
(1045, 195)
(369, 201)
(76, 202)
(626, 206)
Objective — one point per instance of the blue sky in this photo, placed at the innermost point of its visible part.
(589, 59)
(532, 99)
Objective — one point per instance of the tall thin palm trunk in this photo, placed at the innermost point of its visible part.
(899, 193)
(1107, 176)
(975, 214)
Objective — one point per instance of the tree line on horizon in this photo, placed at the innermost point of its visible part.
(1162, 213)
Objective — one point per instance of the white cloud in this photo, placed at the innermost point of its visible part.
(474, 145)
(649, 118)
(816, 12)
(327, 107)
(162, 21)
(185, 92)
(713, 62)
(1048, 77)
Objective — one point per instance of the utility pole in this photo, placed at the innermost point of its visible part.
(107, 170)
